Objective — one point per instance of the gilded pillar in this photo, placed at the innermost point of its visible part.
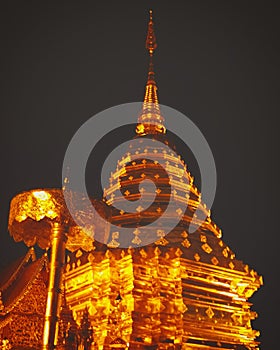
(58, 239)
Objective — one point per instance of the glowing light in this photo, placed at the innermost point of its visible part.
(42, 195)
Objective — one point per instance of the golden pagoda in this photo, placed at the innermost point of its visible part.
(183, 290)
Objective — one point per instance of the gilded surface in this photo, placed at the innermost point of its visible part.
(25, 322)
(33, 213)
(155, 296)
(185, 291)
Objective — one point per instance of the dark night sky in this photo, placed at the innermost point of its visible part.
(217, 62)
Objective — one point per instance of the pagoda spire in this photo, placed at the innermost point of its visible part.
(151, 120)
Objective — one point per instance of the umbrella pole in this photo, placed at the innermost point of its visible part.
(58, 240)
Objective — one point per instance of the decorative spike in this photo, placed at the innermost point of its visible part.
(151, 43)
(151, 120)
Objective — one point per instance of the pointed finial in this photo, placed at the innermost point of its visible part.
(151, 121)
(151, 43)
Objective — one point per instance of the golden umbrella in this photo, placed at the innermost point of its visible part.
(41, 216)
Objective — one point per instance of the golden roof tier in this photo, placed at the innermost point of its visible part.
(23, 295)
(23, 290)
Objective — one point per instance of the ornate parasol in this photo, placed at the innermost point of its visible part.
(41, 217)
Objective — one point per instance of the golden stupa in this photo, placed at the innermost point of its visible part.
(183, 291)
